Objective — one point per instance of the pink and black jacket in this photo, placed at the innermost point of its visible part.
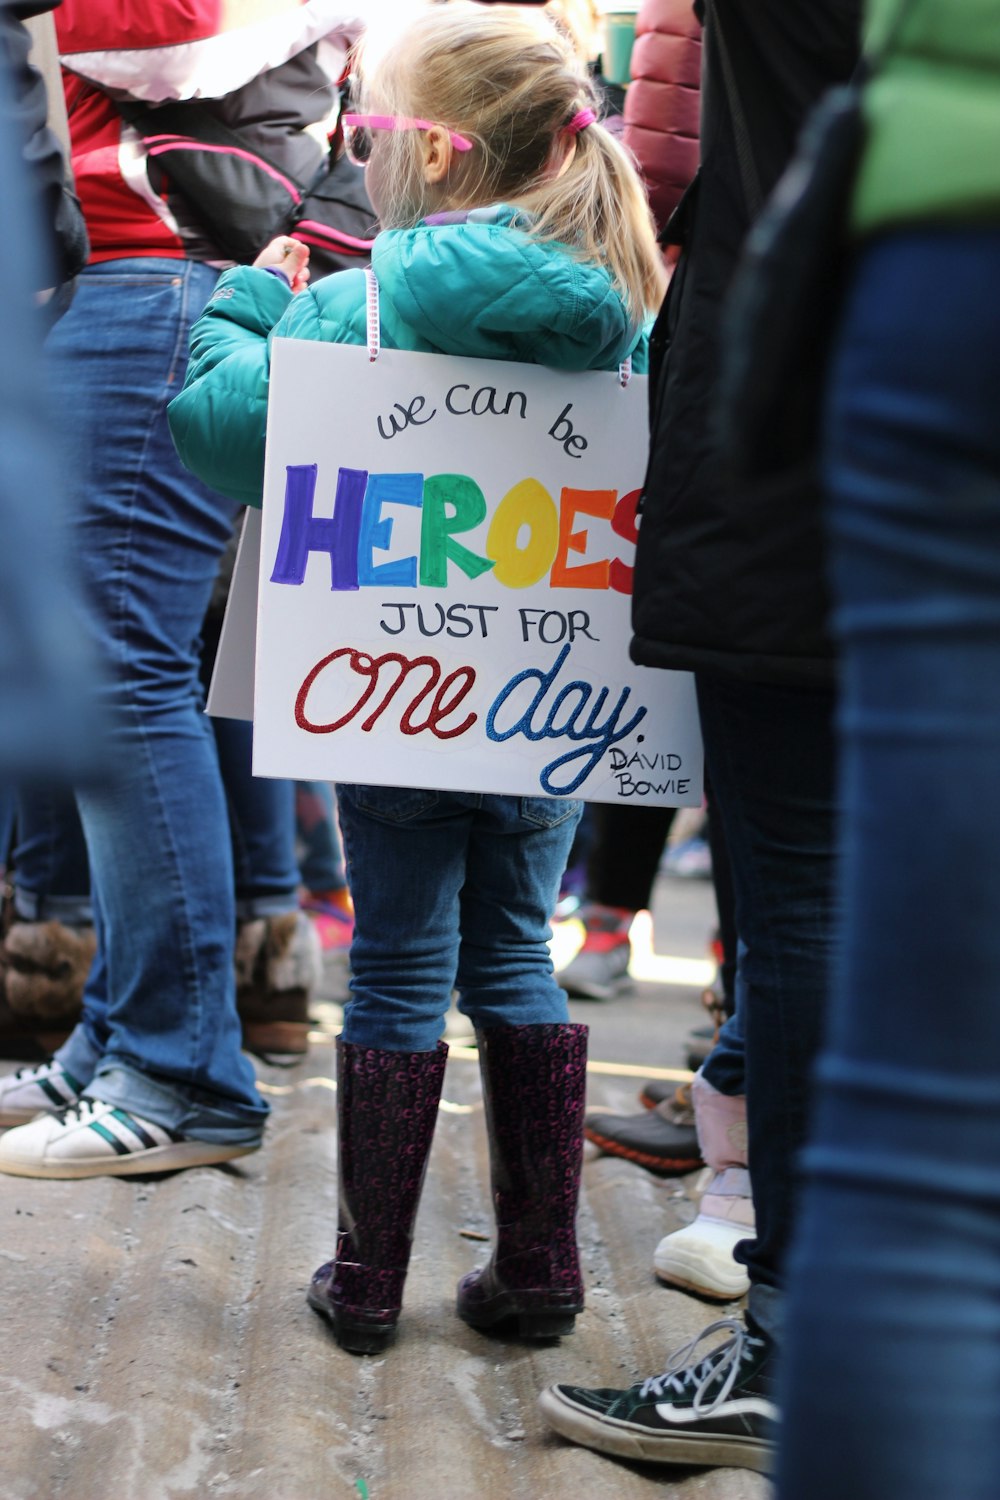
(254, 84)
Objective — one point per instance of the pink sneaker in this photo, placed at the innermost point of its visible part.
(332, 916)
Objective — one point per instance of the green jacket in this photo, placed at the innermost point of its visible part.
(933, 109)
(479, 287)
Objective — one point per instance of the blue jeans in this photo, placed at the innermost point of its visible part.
(725, 1067)
(321, 860)
(52, 872)
(159, 1034)
(451, 890)
(769, 755)
(47, 726)
(262, 826)
(51, 867)
(893, 1364)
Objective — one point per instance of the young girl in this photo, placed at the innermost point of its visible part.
(514, 227)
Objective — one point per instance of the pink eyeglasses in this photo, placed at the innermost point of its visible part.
(358, 133)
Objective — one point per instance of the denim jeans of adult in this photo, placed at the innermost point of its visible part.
(51, 867)
(452, 890)
(159, 1033)
(262, 826)
(321, 856)
(769, 753)
(725, 1067)
(52, 872)
(893, 1362)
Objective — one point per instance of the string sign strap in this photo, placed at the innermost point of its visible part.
(374, 325)
(625, 370)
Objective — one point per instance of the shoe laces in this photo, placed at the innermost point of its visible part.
(81, 1112)
(684, 1374)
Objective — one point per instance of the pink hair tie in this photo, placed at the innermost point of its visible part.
(580, 122)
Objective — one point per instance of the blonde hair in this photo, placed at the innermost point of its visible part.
(510, 82)
(581, 21)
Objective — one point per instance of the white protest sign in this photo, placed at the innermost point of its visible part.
(445, 579)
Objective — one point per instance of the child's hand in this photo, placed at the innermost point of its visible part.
(291, 257)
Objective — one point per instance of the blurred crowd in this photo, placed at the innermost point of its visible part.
(583, 187)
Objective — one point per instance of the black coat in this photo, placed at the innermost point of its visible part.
(730, 578)
(58, 210)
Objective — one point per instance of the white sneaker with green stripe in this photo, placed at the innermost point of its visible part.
(94, 1139)
(42, 1086)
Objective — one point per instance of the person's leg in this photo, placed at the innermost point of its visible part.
(149, 537)
(277, 955)
(390, 1057)
(624, 856)
(516, 855)
(322, 874)
(725, 903)
(406, 853)
(50, 864)
(49, 943)
(769, 754)
(533, 1064)
(770, 757)
(892, 1381)
(701, 1257)
(321, 861)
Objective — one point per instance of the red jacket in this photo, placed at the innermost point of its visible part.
(661, 105)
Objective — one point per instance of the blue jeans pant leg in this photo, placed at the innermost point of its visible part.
(406, 855)
(262, 824)
(7, 817)
(51, 867)
(517, 855)
(149, 537)
(450, 887)
(769, 752)
(892, 1382)
(321, 860)
(725, 1067)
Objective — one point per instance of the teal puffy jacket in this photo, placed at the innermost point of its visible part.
(481, 287)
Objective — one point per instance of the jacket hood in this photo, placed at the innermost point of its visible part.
(477, 284)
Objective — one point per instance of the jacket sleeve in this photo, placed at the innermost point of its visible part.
(662, 103)
(219, 420)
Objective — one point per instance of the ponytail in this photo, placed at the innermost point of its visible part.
(512, 83)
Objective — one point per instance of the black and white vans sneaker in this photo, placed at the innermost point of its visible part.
(94, 1139)
(716, 1412)
(30, 1091)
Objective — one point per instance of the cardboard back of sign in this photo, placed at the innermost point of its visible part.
(444, 591)
(230, 694)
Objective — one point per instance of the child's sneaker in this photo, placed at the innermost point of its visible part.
(42, 1087)
(691, 859)
(94, 1139)
(599, 970)
(699, 1257)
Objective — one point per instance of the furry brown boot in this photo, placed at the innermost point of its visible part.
(44, 966)
(278, 966)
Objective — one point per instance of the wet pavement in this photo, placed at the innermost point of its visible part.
(158, 1345)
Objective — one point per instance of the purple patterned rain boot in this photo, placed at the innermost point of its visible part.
(387, 1105)
(534, 1086)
